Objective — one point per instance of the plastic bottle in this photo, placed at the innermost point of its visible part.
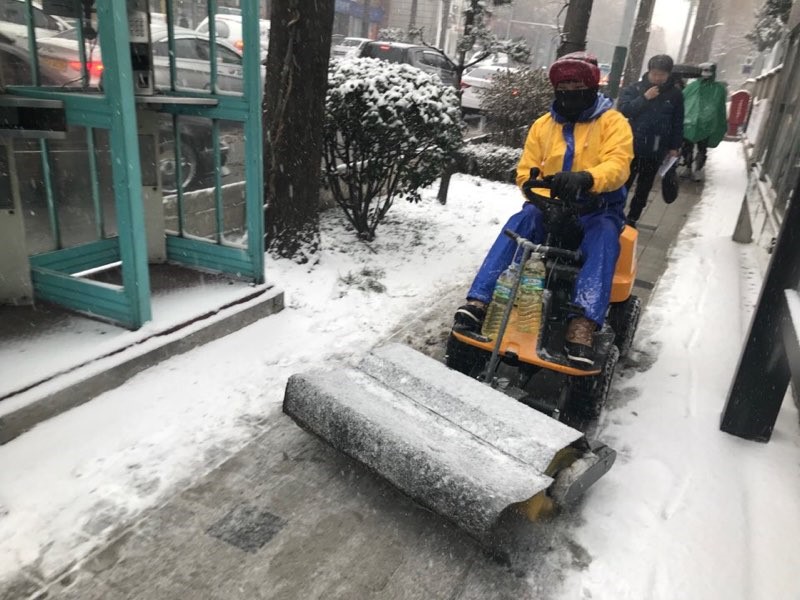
(529, 297)
(500, 297)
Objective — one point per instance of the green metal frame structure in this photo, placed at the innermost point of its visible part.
(57, 275)
(246, 109)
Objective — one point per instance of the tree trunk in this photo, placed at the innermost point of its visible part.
(293, 110)
(365, 20)
(576, 24)
(639, 39)
(445, 24)
(412, 19)
(469, 21)
(702, 33)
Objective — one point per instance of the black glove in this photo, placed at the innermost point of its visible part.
(568, 185)
(469, 317)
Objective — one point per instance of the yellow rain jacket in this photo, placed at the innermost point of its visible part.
(602, 145)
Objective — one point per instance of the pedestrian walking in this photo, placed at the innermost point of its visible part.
(654, 108)
(705, 121)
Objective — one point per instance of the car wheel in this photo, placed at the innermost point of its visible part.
(167, 166)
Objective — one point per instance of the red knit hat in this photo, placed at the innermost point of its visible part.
(576, 66)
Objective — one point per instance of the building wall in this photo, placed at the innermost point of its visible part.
(349, 17)
(730, 49)
(399, 15)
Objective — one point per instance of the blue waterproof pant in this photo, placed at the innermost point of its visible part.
(600, 248)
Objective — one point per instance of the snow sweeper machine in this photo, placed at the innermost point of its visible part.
(507, 423)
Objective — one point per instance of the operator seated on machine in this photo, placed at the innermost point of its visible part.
(585, 146)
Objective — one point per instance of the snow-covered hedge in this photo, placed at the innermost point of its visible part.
(391, 34)
(490, 161)
(516, 98)
(389, 130)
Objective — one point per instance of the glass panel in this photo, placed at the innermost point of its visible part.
(196, 171)
(165, 161)
(72, 187)
(230, 75)
(28, 160)
(158, 15)
(230, 45)
(232, 150)
(192, 65)
(6, 199)
(232, 145)
(15, 68)
(105, 181)
(61, 61)
(189, 14)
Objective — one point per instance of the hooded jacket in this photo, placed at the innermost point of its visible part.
(657, 124)
(600, 142)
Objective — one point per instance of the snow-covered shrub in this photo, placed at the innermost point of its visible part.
(516, 98)
(391, 34)
(490, 161)
(771, 19)
(389, 128)
(395, 34)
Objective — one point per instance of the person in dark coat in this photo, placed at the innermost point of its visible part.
(654, 107)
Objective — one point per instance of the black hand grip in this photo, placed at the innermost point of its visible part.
(537, 183)
(514, 236)
(574, 256)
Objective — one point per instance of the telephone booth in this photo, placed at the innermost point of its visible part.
(130, 135)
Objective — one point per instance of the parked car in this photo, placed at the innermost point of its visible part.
(229, 28)
(197, 154)
(15, 65)
(348, 47)
(421, 57)
(474, 82)
(192, 53)
(498, 59)
(14, 24)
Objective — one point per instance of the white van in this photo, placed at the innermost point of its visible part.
(349, 47)
(229, 27)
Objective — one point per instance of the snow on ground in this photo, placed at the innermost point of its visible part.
(64, 484)
(688, 511)
(59, 341)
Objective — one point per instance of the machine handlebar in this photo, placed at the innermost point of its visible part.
(573, 256)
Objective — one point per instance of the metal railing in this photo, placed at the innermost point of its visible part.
(771, 352)
(777, 148)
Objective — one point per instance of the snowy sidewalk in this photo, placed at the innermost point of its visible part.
(687, 512)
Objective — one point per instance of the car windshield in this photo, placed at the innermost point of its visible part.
(351, 42)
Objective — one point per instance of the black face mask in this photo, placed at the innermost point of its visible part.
(571, 103)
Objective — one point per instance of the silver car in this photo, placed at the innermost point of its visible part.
(422, 57)
(192, 60)
(14, 24)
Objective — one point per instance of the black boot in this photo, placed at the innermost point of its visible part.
(469, 317)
